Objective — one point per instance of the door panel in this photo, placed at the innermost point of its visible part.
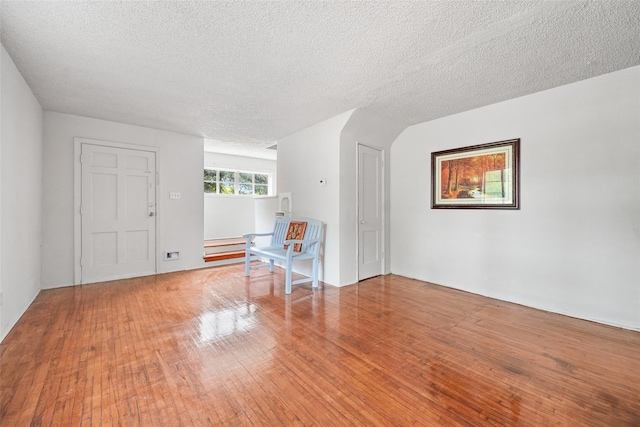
(105, 207)
(118, 224)
(137, 245)
(104, 248)
(370, 250)
(137, 208)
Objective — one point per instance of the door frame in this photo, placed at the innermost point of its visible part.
(383, 241)
(77, 197)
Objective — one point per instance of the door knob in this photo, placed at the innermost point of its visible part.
(151, 213)
(362, 222)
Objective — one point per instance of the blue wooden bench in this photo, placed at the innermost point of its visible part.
(304, 247)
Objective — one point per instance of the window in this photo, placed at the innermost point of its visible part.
(227, 182)
(210, 181)
(218, 181)
(261, 184)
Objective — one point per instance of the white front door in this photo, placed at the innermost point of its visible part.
(370, 203)
(118, 207)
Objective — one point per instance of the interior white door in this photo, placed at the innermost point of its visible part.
(370, 204)
(118, 222)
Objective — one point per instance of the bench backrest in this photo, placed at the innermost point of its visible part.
(313, 231)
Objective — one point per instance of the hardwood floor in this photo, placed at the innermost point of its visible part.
(211, 347)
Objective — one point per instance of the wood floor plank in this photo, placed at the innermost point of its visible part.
(212, 347)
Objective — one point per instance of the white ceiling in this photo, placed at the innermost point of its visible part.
(247, 73)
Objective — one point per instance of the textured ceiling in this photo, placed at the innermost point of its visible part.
(253, 72)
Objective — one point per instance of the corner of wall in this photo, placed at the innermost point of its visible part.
(305, 158)
(21, 143)
(368, 128)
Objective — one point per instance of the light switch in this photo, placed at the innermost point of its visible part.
(174, 195)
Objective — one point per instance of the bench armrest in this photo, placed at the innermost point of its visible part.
(257, 234)
(292, 242)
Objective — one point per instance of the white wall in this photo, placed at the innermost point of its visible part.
(303, 159)
(21, 196)
(574, 246)
(378, 132)
(180, 222)
(229, 215)
(265, 209)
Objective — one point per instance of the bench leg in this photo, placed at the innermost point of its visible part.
(271, 265)
(315, 273)
(287, 283)
(247, 257)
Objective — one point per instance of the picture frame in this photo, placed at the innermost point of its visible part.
(485, 176)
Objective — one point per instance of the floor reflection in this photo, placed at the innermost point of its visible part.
(221, 323)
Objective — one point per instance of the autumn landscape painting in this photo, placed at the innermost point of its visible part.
(478, 177)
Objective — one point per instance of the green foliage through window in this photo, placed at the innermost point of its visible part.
(235, 182)
(227, 182)
(210, 181)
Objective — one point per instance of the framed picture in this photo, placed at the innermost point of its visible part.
(483, 176)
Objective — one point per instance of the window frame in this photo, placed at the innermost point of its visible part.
(237, 182)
